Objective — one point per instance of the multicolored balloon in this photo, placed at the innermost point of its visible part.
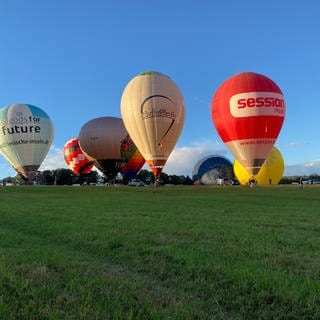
(75, 158)
(133, 157)
(153, 111)
(25, 137)
(270, 173)
(248, 111)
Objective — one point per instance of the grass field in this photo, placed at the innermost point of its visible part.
(160, 253)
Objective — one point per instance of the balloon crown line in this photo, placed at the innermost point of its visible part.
(151, 72)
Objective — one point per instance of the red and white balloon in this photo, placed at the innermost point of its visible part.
(248, 111)
(75, 158)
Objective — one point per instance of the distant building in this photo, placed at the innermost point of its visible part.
(213, 170)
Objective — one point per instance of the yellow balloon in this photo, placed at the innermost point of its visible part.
(270, 173)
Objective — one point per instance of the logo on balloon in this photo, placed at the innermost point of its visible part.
(250, 104)
(158, 109)
(19, 119)
(127, 148)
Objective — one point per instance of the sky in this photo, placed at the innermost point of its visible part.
(74, 58)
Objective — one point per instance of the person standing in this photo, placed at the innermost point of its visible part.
(301, 183)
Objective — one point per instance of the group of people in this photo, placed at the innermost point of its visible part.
(253, 181)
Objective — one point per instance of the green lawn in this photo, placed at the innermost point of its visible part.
(160, 253)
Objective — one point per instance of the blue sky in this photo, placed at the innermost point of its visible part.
(74, 58)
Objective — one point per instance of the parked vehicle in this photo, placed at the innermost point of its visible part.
(136, 182)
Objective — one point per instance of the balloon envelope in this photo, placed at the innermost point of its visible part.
(133, 157)
(270, 173)
(248, 111)
(75, 158)
(153, 111)
(101, 140)
(25, 137)
(211, 169)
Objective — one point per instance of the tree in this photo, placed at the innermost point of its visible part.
(63, 176)
(48, 177)
(146, 176)
(188, 181)
(92, 176)
(174, 179)
(164, 178)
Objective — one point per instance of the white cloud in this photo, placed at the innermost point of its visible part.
(293, 144)
(183, 159)
(303, 169)
(296, 144)
(54, 159)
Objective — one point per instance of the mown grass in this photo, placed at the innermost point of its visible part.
(160, 253)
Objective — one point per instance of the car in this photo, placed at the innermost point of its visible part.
(235, 182)
(136, 182)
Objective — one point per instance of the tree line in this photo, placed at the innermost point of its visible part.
(62, 176)
(310, 179)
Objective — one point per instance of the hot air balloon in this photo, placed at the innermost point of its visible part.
(153, 111)
(212, 170)
(133, 158)
(25, 137)
(100, 139)
(75, 158)
(248, 111)
(270, 173)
